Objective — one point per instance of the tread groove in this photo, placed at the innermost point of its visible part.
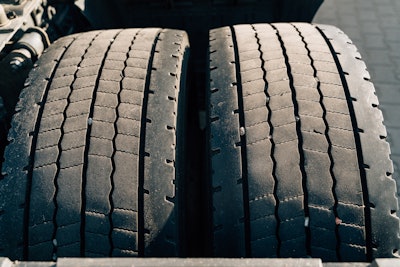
(273, 144)
(86, 151)
(142, 148)
(367, 210)
(326, 133)
(243, 144)
(32, 156)
(299, 136)
(114, 144)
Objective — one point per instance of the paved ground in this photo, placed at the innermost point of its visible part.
(374, 26)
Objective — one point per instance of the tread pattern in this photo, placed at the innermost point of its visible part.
(376, 163)
(93, 188)
(303, 178)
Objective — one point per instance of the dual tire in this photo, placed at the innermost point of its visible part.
(296, 149)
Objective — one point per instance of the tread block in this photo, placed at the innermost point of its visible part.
(262, 206)
(110, 87)
(83, 82)
(69, 195)
(68, 234)
(264, 247)
(260, 166)
(105, 114)
(106, 100)
(351, 214)
(98, 244)
(288, 168)
(73, 140)
(348, 183)
(332, 91)
(323, 239)
(41, 233)
(87, 71)
(58, 94)
(71, 250)
(294, 248)
(352, 234)
(81, 94)
(283, 117)
(131, 97)
(55, 107)
(125, 181)
(46, 156)
(76, 123)
(127, 143)
(254, 101)
(42, 200)
(342, 138)
(102, 129)
(253, 87)
(339, 121)
(308, 108)
(322, 218)
(129, 111)
(263, 228)
(48, 139)
(125, 219)
(49, 123)
(284, 134)
(101, 147)
(128, 127)
(41, 251)
(279, 102)
(98, 184)
(257, 133)
(71, 158)
(125, 239)
(315, 142)
(256, 116)
(97, 222)
(61, 82)
(290, 208)
(78, 108)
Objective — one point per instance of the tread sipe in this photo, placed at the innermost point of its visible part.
(85, 173)
(299, 159)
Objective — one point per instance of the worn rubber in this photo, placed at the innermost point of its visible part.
(91, 166)
(300, 165)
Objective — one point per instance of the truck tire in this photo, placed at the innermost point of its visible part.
(299, 161)
(92, 165)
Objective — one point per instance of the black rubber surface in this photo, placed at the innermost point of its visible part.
(299, 162)
(86, 172)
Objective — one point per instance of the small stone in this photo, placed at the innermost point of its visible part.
(306, 221)
(242, 131)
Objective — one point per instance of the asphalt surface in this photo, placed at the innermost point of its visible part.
(374, 27)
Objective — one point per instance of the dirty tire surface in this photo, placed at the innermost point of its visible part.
(299, 160)
(90, 169)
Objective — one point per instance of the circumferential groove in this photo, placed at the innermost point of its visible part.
(273, 145)
(357, 131)
(86, 151)
(32, 160)
(299, 137)
(243, 149)
(142, 153)
(114, 144)
(328, 139)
